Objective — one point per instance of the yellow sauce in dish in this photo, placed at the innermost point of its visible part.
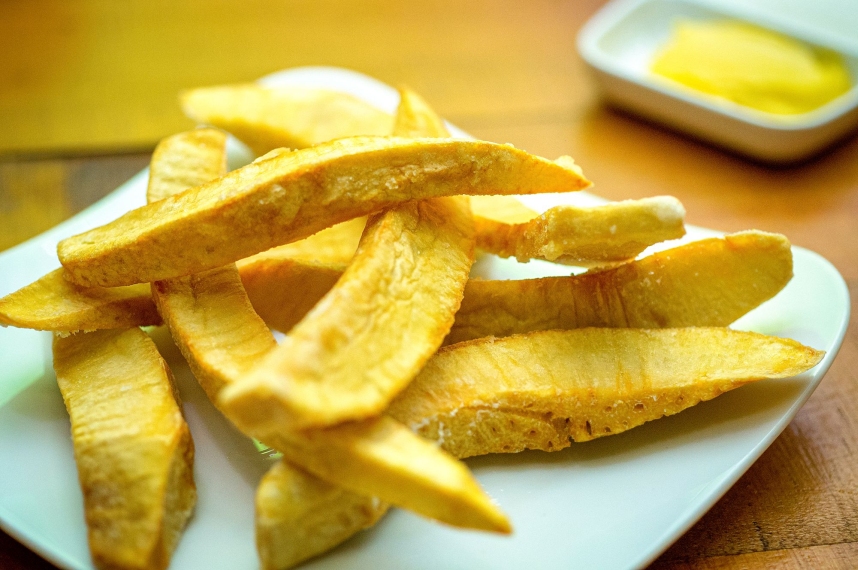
(752, 66)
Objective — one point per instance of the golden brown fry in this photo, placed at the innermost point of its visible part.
(282, 290)
(336, 244)
(374, 330)
(293, 195)
(132, 447)
(500, 209)
(415, 118)
(184, 159)
(52, 303)
(383, 458)
(266, 118)
(610, 233)
(285, 282)
(576, 236)
(371, 333)
(711, 282)
(216, 329)
(545, 389)
(221, 337)
(504, 226)
(299, 516)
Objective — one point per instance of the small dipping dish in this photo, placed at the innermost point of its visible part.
(621, 41)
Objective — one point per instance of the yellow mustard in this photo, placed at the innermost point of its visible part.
(752, 66)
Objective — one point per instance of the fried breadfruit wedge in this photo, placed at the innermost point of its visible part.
(296, 117)
(214, 326)
(610, 233)
(266, 118)
(299, 516)
(53, 303)
(132, 447)
(308, 268)
(711, 282)
(288, 196)
(336, 244)
(507, 209)
(184, 159)
(283, 290)
(373, 331)
(546, 389)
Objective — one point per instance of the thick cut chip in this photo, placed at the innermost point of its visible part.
(285, 282)
(415, 118)
(374, 330)
(214, 326)
(52, 303)
(383, 458)
(610, 233)
(490, 213)
(299, 516)
(283, 290)
(336, 244)
(546, 389)
(296, 117)
(711, 282)
(500, 209)
(183, 160)
(269, 118)
(292, 195)
(266, 118)
(132, 447)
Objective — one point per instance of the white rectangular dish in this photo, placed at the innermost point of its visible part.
(620, 41)
(616, 502)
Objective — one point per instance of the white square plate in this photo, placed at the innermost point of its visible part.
(615, 502)
(620, 41)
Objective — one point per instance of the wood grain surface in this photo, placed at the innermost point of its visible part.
(87, 88)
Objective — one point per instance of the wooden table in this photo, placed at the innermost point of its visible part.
(87, 88)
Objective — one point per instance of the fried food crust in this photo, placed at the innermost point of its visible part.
(299, 516)
(266, 118)
(546, 389)
(292, 195)
(184, 159)
(711, 282)
(606, 234)
(214, 326)
(374, 330)
(132, 447)
(53, 303)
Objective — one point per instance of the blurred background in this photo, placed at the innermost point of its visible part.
(99, 79)
(88, 87)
